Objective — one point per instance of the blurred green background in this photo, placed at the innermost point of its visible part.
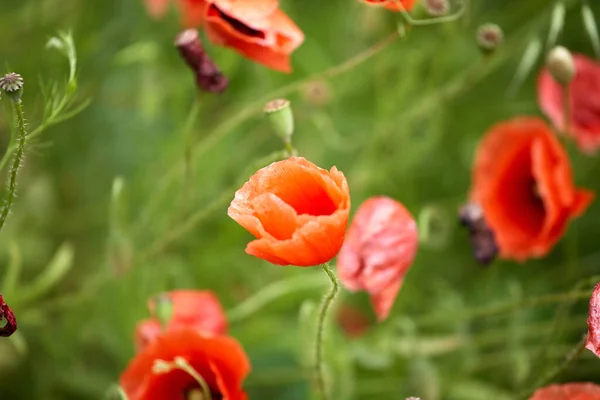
(404, 123)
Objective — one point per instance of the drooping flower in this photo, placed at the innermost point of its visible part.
(162, 370)
(257, 29)
(394, 5)
(592, 342)
(584, 95)
(194, 309)
(568, 391)
(297, 211)
(192, 11)
(7, 318)
(380, 246)
(522, 179)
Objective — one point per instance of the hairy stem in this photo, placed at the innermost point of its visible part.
(324, 309)
(18, 160)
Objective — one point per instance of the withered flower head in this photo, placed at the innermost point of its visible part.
(481, 235)
(489, 37)
(437, 8)
(12, 85)
(6, 315)
(208, 76)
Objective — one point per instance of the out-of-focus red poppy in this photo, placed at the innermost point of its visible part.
(522, 179)
(257, 29)
(394, 5)
(297, 211)
(192, 11)
(568, 391)
(352, 321)
(219, 360)
(584, 121)
(199, 310)
(9, 318)
(592, 342)
(380, 246)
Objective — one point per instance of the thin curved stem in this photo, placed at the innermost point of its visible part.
(324, 309)
(270, 293)
(12, 180)
(568, 361)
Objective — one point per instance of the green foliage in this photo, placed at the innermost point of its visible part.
(111, 211)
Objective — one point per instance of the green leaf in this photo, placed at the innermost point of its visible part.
(589, 22)
(556, 23)
(58, 267)
(526, 65)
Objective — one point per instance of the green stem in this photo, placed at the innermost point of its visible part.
(325, 306)
(188, 133)
(12, 181)
(568, 361)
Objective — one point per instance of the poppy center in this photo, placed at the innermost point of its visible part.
(196, 393)
(236, 24)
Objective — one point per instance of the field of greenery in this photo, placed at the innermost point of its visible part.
(129, 170)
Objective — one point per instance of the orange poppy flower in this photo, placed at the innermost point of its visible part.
(394, 4)
(380, 246)
(199, 310)
(257, 29)
(592, 342)
(568, 391)
(584, 94)
(522, 179)
(219, 360)
(297, 211)
(192, 11)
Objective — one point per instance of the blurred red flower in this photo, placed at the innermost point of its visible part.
(568, 391)
(219, 360)
(199, 310)
(256, 29)
(522, 179)
(353, 322)
(394, 4)
(592, 342)
(297, 211)
(192, 11)
(380, 246)
(584, 89)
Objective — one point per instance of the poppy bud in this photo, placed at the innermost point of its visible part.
(561, 65)
(164, 309)
(7, 317)
(437, 8)
(280, 114)
(208, 76)
(12, 85)
(481, 236)
(489, 38)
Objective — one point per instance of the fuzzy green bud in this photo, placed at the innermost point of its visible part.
(12, 85)
(489, 38)
(437, 8)
(561, 65)
(280, 114)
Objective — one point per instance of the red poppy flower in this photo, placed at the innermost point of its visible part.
(584, 121)
(394, 4)
(522, 179)
(380, 246)
(8, 319)
(199, 310)
(592, 342)
(568, 391)
(192, 11)
(256, 29)
(297, 211)
(353, 321)
(219, 360)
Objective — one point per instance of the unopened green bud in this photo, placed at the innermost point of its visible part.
(436, 8)
(489, 38)
(280, 114)
(163, 309)
(561, 65)
(12, 85)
